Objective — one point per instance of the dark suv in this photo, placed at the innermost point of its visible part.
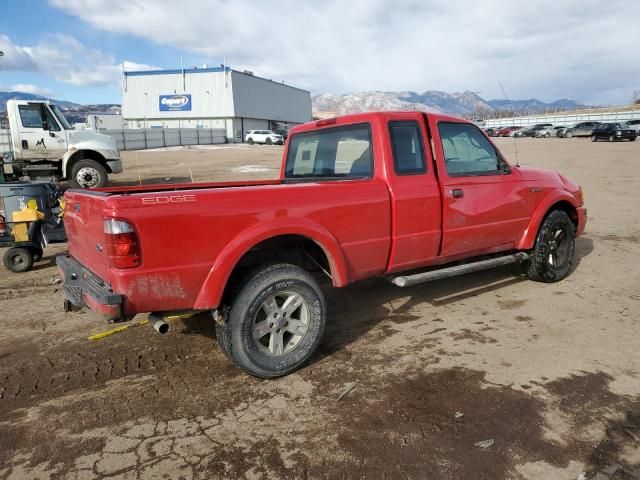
(613, 132)
(582, 129)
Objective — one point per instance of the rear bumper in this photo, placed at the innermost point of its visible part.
(83, 289)
(582, 220)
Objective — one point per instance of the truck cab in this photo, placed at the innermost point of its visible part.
(42, 144)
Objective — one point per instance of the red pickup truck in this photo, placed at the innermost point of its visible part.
(405, 195)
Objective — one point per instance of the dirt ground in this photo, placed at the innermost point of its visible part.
(546, 374)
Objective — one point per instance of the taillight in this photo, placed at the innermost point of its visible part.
(123, 247)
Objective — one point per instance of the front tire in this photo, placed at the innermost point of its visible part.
(88, 173)
(268, 141)
(250, 141)
(568, 134)
(594, 138)
(276, 322)
(552, 255)
(612, 138)
(18, 259)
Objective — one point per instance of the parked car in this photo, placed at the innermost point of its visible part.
(635, 124)
(389, 194)
(533, 131)
(282, 132)
(613, 132)
(518, 132)
(547, 132)
(582, 129)
(263, 136)
(505, 131)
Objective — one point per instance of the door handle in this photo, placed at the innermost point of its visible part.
(457, 193)
(25, 145)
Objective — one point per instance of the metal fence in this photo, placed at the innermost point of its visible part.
(144, 138)
(566, 118)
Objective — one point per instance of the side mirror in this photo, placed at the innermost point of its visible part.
(45, 125)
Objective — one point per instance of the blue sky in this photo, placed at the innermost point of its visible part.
(28, 22)
(578, 49)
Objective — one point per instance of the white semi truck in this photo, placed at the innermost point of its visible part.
(40, 144)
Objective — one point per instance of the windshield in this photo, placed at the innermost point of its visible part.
(60, 117)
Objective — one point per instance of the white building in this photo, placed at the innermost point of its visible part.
(211, 98)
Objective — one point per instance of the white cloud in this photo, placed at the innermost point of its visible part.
(30, 88)
(65, 59)
(547, 48)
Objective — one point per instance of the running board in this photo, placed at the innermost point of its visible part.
(408, 280)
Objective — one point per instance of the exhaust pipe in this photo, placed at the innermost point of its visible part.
(158, 324)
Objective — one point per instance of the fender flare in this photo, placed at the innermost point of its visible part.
(68, 155)
(214, 285)
(529, 236)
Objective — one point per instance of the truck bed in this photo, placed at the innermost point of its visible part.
(187, 228)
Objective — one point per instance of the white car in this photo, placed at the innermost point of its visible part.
(263, 136)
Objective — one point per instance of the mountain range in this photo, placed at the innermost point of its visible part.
(465, 103)
(4, 96)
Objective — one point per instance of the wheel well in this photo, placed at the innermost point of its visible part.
(294, 249)
(568, 209)
(85, 154)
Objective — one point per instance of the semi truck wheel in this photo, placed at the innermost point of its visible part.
(275, 323)
(88, 173)
(18, 259)
(552, 255)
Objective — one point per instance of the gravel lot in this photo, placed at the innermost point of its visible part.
(547, 374)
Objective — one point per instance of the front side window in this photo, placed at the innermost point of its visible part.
(51, 121)
(408, 151)
(60, 116)
(340, 152)
(467, 152)
(30, 116)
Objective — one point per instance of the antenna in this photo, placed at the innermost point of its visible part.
(513, 121)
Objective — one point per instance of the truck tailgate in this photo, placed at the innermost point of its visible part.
(83, 216)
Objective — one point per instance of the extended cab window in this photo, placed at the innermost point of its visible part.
(408, 151)
(30, 116)
(331, 152)
(467, 152)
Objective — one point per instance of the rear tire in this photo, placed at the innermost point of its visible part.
(552, 255)
(276, 322)
(612, 138)
(568, 134)
(18, 259)
(268, 141)
(88, 173)
(594, 138)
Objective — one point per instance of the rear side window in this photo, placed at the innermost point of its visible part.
(331, 152)
(467, 152)
(408, 150)
(30, 116)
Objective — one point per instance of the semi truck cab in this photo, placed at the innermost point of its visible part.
(42, 144)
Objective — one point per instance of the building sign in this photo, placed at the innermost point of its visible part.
(175, 103)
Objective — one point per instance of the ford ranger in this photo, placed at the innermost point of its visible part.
(409, 196)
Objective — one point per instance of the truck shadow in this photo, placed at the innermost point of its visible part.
(356, 309)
